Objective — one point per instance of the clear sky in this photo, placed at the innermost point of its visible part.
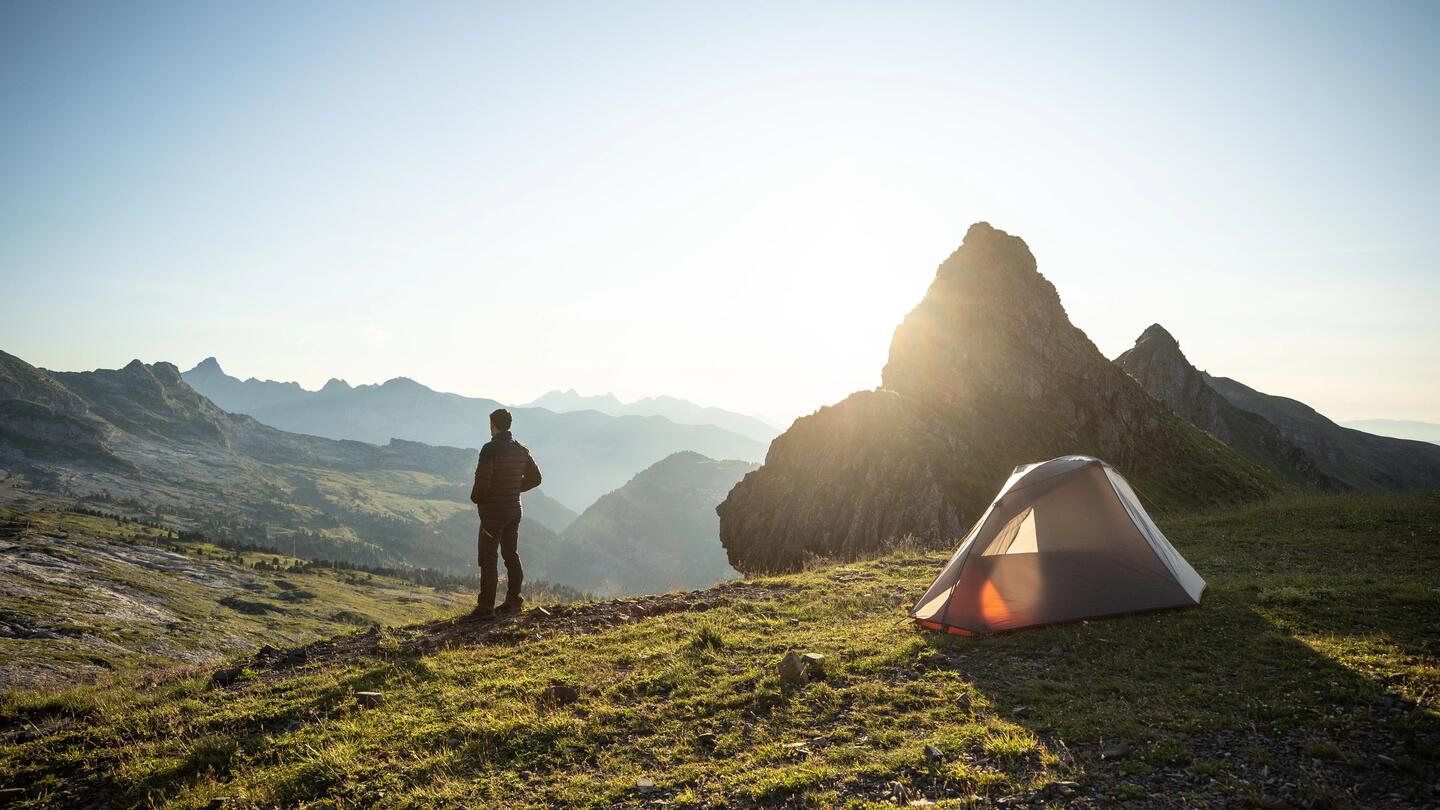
(734, 203)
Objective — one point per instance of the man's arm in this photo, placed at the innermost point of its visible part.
(484, 471)
(531, 478)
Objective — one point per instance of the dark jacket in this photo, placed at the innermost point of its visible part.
(505, 470)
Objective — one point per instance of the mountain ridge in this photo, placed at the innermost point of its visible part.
(583, 454)
(676, 409)
(985, 373)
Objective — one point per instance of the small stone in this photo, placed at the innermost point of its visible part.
(792, 669)
(700, 607)
(561, 694)
(705, 739)
(1388, 762)
(1116, 751)
(814, 664)
(1019, 711)
(225, 676)
(933, 754)
(369, 698)
(645, 785)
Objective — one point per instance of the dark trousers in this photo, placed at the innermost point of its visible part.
(499, 531)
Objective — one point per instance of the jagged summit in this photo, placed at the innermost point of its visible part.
(335, 384)
(1156, 332)
(1158, 364)
(209, 366)
(985, 373)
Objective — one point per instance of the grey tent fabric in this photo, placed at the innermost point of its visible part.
(1064, 539)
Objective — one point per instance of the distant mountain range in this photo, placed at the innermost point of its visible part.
(1398, 428)
(1285, 435)
(583, 454)
(657, 533)
(679, 411)
(142, 438)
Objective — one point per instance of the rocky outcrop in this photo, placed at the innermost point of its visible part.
(835, 484)
(1161, 368)
(986, 373)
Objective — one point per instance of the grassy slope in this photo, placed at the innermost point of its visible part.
(1308, 674)
(115, 610)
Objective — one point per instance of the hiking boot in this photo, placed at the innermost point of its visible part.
(479, 613)
(511, 605)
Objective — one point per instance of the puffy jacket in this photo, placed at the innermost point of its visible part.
(505, 470)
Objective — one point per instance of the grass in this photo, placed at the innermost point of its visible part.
(105, 607)
(1308, 676)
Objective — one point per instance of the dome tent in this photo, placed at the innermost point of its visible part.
(1065, 539)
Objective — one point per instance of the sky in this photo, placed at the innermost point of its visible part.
(735, 203)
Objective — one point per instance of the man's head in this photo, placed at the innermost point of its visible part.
(499, 421)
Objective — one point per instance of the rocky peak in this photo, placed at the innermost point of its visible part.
(335, 385)
(984, 374)
(1161, 368)
(208, 366)
(1159, 336)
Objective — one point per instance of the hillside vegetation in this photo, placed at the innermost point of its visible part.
(83, 593)
(1308, 676)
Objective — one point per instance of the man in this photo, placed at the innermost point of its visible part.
(505, 470)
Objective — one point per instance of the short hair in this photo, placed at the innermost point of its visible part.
(500, 418)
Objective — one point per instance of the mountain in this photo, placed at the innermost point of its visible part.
(547, 511)
(1284, 435)
(986, 373)
(142, 438)
(1360, 460)
(657, 533)
(679, 411)
(583, 454)
(1398, 429)
(1157, 363)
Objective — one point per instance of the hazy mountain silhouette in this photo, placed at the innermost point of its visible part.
(583, 454)
(1361, 460)
(141, 435)
(987, 372)
(1161, 368)
(680, 411)
(657, 533)
(1398, 429)
(548, 512)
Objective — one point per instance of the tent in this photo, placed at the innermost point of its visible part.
(1065, 539)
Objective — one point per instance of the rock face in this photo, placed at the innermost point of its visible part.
(836, 484)
(1157, 363)
(986, 373)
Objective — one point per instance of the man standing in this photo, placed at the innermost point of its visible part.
(505, 470)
